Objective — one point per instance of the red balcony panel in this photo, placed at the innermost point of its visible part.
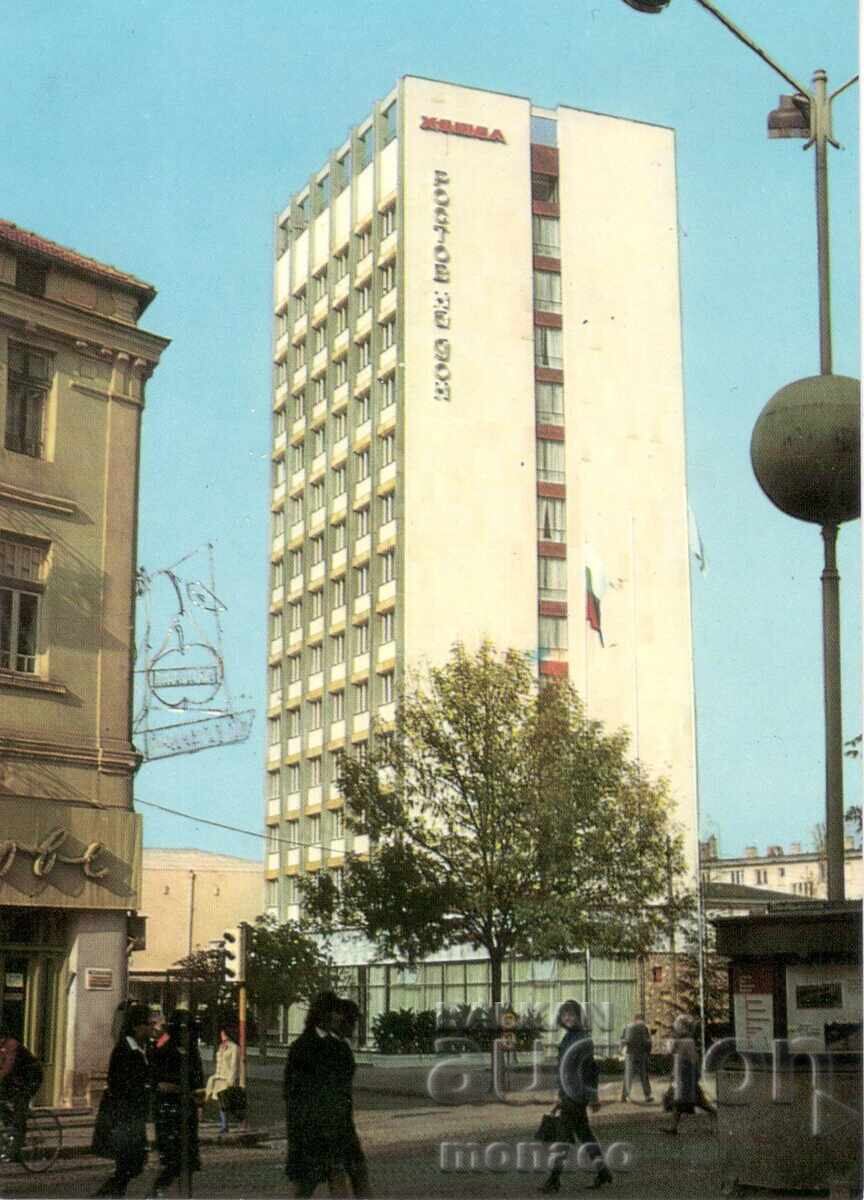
(542, 263)
(553, 433)
(558, 491)
(548, 375)
(544, 160)
(553, 608)
(546, 208)
(552, 549)
(549, 319)
(559, 669)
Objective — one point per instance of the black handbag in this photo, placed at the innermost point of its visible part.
(549, 1128)
(232, 1101)
(102, 1144)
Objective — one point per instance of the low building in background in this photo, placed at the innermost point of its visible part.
(189, 898)
(73, 371)
(792, 871)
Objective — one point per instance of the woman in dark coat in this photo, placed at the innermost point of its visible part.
(121, 1125)
(578, 1078)
(178, 1080)
(344, 1024)
(317, 1091)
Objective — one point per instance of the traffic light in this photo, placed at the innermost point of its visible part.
(236, 949)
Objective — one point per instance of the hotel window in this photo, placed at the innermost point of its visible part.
(361, 580)
(279, 472)
(361, 465)
(319, 285)
(343, 172)
(388, 121)
(551, 519)
(761, 876)
(362, 410)
(388, 391)
(315, 709)
(340, 426)
(388, 224)
(299, 355)
(313, 823)
(295, 613)
(361, 638)
(388, 334)
(300, 303)
(553, 633)
(297, 457)
(388, 507)
(299, 405)
(274, 731)
(388, 449)
(296, 563)
(547, 291)
(316, 605)
(337, 762)
(388, 566)
(365, 147)
(545, 188)
(361, 751)
(280, 374)
(362, 518)
(283, 234)
(338, 591)
(277, 574)
(340, 372)
(293, 668)
(547, 236)
(337, 701)
(388, 626)
(735, 876)
(275, 626)
(364, 353)
(316, 657)
(340, 265)
(279, 423)
(364, 298)
(292, 828)
(319, 441)
(322, 192)
(340, 319)
(279, 523)
(337, 823)
(274, 791)
(291, 892)
(316, 493)
(338, 648)
(388, 278)
(338, 481)
(339, 536)
(302, 215)
(292, 720)
(315, 763)
(548, 347)
(319, 393)
(552, 578)
(296, 509)
(387, 687)
(316, 547)
(21, 572)
(550, 461)
(361, 697)
(319, 339)
(549, 399)
(364, 243)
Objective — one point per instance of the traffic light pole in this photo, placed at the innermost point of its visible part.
(241, 1030)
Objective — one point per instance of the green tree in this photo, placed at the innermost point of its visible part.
(285, 965)
(503, 817)
(200, 978)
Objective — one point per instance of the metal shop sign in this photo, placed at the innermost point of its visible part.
(441, 275)
(462, 129)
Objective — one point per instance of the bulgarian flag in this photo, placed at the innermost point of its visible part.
(595, 587)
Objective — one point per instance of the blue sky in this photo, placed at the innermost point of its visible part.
(163, 136)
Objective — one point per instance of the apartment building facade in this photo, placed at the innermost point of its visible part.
(791, 870)
(73, 371)
(477, 400)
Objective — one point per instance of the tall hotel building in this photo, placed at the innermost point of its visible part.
(478, 393)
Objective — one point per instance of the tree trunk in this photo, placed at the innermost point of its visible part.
(496, 964)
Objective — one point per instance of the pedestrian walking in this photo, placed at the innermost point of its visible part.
(121, 1123)
(318, 1104)
(345, 1020)
(20, 1080)
(178, 1082)
(636, 1045)
(685, 1094)
(578, 1077)
(226, 1073)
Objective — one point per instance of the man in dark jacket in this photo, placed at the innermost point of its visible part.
(121, 1125)
(636, 1044)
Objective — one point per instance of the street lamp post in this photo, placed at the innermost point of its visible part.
(805, 445)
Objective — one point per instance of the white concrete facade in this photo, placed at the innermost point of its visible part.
(448, 443)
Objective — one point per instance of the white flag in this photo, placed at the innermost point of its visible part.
(695, 538)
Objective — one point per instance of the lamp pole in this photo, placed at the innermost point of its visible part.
(820, 415)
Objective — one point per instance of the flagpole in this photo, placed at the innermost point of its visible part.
(698, 553)
(635, 639)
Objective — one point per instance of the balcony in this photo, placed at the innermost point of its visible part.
(298, 380)
(362, 325)
(301, 326)
(276, 647)
(319, 363)
(360, 723)
(387, 360)
(388, 303)
(292, 805)
(363, 269)
(387, 474)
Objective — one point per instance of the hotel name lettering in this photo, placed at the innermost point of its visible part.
(441, 276)
(46, 854)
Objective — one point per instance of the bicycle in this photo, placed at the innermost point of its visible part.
(42, 1141)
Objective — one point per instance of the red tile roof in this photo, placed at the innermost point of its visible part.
(24, 239)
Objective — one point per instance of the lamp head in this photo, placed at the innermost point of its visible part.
(648, 6)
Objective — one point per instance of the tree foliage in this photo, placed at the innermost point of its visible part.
(502, 817)
(285, 965)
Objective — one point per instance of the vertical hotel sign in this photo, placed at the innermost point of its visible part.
(441, 291)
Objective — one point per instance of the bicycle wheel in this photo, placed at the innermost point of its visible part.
(43, 1141)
